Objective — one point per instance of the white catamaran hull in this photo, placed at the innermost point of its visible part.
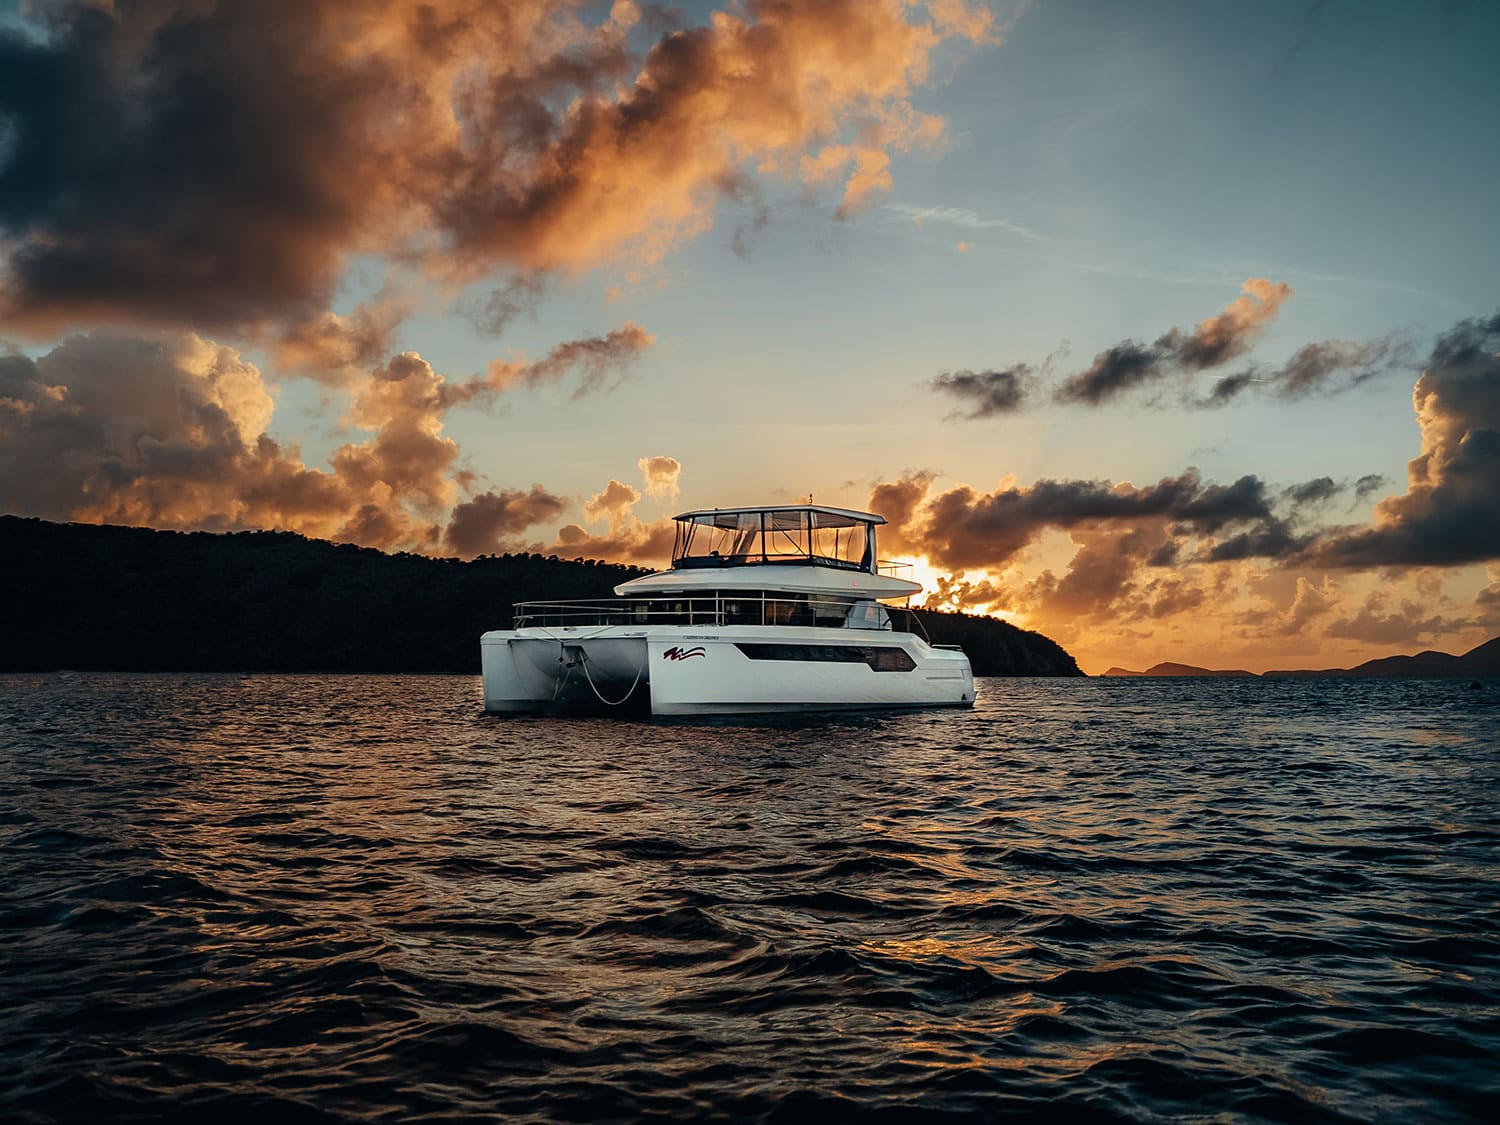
(682, 670)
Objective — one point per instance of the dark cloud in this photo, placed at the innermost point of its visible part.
(987, 393)
(217, 165)
(1450, 512)
(339, 349)
(1328, 367)
(594, 360)
(1367, 485)
(518, 297)
(1165, 555)
(176, 163)
(493, 520)
(1313, 491)
(1314, 366)
(1226, 389)
(1271, 538)
(898, 501)
(1115, 371)
(963, 529)
(552, 191)
(1217, 505)
(1213, 343)
(649, 544)
(1167, 597)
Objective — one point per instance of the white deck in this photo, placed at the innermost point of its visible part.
(779, 579)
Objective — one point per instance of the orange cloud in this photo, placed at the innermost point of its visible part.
(469, 137)
(613, 503)
(1215, 341)
(1230, 333)
(661, 475)
(339, 349)
(170, 432)
(645, 544)
(593, 360)
(629, 538)
(635, 172)
(492, 520)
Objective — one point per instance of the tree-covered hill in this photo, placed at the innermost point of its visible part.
(82, 596)
(998, 648)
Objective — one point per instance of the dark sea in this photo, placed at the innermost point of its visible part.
(342, 898)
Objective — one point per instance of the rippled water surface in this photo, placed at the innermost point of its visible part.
(347, 898)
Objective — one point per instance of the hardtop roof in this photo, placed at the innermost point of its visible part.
(847, 513)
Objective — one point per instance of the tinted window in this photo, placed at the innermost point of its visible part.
(881, 658)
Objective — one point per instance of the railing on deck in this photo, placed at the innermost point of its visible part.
(709, 611)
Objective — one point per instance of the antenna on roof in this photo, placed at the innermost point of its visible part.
(809, 499)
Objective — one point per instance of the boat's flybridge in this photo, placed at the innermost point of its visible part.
(834, 537)
(796, 550)
(763, 566)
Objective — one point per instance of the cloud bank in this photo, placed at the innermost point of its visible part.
(1130, 366)
(171, 432)
(1450, 512)
(1212, 343)
(217, 165)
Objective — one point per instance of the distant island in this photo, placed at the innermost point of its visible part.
(1481, 661)
(1166, 668)
(100, 598)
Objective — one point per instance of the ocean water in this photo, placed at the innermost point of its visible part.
(305, 898)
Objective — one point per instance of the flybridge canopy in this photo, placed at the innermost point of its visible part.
(783, 511)
(791, 533)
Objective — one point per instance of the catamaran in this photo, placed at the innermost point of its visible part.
(768, 609)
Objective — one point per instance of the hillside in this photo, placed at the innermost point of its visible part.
(1167, 668)
(82, 596)
(998, 648)
(1482, 660)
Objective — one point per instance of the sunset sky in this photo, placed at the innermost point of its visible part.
(1170, 329)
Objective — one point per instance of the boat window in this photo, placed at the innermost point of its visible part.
(799, 535)
(879, 658)
(868, 615)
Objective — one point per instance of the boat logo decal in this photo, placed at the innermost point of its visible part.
(675, 653)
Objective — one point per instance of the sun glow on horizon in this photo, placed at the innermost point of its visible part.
(932, 581)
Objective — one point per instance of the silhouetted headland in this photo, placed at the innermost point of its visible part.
(1481, 661)
(91, 597)
(1167, 668)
